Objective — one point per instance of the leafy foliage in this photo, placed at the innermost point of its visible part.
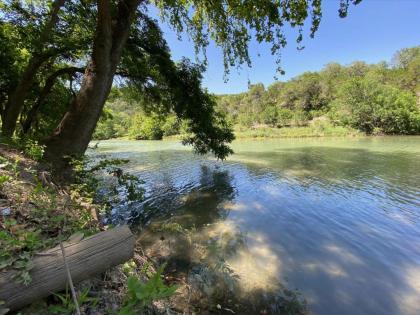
(67, 306)
(380, 98)
(46, 49)
(37, 216)
(142, 294)
(232, 24)
(32, 149)
(123, 188)
(368, 105)
(146, 128)
(4, 179)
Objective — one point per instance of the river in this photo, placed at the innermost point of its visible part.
(336, 219)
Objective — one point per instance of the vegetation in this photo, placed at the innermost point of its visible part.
(142, 294)
(58, 74)
(336, 101)
(37, 212)
(35, 215)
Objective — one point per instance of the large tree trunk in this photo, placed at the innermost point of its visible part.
(17, 97)
(75, 130)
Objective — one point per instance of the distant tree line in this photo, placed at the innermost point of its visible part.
(381, 98)
(378, 98)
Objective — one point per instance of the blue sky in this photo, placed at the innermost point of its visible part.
(373, 31)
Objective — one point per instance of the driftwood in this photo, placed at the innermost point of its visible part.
(86, 258)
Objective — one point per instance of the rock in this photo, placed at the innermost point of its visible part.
(204, 280)
(5, 211)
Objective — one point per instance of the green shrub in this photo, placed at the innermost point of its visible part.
(105, 130)
(146, 127)
(4, 179)
(247, 119)
(32, 149)
(171, 126)
(300, 118)
(284, 117)
(371, 106)
(142, 294)
(67, 306)
(113, 123)
(270, 115)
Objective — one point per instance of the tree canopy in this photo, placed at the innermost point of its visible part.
(372, 98)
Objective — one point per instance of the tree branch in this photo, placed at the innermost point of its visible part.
(49, 83)
(46, 32)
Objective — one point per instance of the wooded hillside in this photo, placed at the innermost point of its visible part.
(378, 98)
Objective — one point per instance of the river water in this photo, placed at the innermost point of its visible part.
(336, 219)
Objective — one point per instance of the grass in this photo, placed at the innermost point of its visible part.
(289, 132)
(316, 128)
(320, 130)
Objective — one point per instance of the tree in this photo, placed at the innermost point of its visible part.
(44, 93)
(228, 23)
(406, 68)
(126, 43)
(309, 92)
(374, 107)
(404, 57)
(270, 115)
(146, 128)
(48, 34)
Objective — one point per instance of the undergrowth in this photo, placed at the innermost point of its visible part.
(36, 214)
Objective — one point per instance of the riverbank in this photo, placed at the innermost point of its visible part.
(266, 132)
(37, 212)
(297, 132)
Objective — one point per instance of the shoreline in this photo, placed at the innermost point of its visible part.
(30, 196)
(258, 134)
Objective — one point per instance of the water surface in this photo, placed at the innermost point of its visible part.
(338, 219)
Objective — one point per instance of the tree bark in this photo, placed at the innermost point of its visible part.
(17, 97)
(86, 258)
(75, 130)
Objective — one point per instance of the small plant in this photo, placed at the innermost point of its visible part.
(142, 294)
(16, 245)
(129, 267)
(15, 167)
(67, 307)
(33, 150)
(4, 179)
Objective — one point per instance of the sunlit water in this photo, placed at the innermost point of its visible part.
(338, 218)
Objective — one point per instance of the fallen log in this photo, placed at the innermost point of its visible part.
(86, 258)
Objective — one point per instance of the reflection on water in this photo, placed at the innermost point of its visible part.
(339, 219)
